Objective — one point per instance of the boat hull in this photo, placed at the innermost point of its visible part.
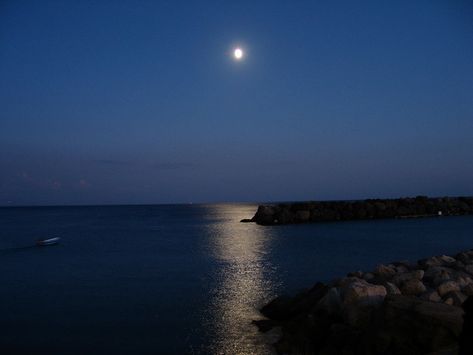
(46, 242)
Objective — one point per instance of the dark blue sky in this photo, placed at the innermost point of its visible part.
(140, 102)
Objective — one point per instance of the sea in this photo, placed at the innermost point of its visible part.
(179, 279)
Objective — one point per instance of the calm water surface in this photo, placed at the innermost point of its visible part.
(178, 279)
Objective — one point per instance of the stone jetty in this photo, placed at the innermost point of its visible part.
(397, 308)
(325, 211)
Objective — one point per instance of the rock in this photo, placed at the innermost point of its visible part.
(358, 274)
(385, 272)
(362, 293)
(446, 259)
(331, 302)
(405, 263)
(401, 269)
(468, 290)
(246, 220)
(469, 269)
(442, 277)
(412, 287)
(457, 265)
(264, 325)
(432, 296)
(410, 324)
(392, 289)
(457, 298)
(430, 262)
(449, 301)
(357, 315)
(464, 281)
(344, 281)
(399, 279)
(463, 257)
(466, 338)
(446, 287)
(283, 308)
(265, 215)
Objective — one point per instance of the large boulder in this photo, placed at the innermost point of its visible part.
(413, 287)
(446, 287)
(361, 292)
(412, 326)
(392, 289)
(283, 308)
(401, 278)
(385, 272)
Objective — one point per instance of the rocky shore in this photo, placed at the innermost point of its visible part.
(323, 211)
(397, 308)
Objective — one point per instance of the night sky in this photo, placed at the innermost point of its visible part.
(142, 102)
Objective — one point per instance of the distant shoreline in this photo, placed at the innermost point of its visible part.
(326, 211)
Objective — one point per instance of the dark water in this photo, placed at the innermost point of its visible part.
(178, 279)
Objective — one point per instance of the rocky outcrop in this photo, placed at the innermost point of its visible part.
(398, 308)
(320, 211)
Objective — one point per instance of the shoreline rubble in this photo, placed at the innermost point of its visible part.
(397, 308)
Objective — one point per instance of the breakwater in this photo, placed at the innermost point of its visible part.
(325, 211)
(397, 308)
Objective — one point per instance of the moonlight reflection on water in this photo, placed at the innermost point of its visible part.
(244, 282)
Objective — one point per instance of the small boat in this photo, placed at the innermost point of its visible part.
(50, 241)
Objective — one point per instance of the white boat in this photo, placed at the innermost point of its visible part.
(50, 241)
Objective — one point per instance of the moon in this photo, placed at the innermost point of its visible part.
(238, 53)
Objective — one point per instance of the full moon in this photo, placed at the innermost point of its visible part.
(238, 53)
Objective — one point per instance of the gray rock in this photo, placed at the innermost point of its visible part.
(411, 323)
(468, 290)
(331, 302)
(442, 277)
(464, 281)
(344, 281)
(449, 301)
(469, 269)
(463, 257)
(385, 272)
(401, 269)
(368, 276)
(446, 287)
(283, 308)
(399, 279)
(431, 296)
(446, 259)
(403, 265)
(412, 287)
(457, 298)
(438, 274)
(358, 274)
(430, 262)
(358, 315)
(265, 215)
(363, 293)
(392, 289)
